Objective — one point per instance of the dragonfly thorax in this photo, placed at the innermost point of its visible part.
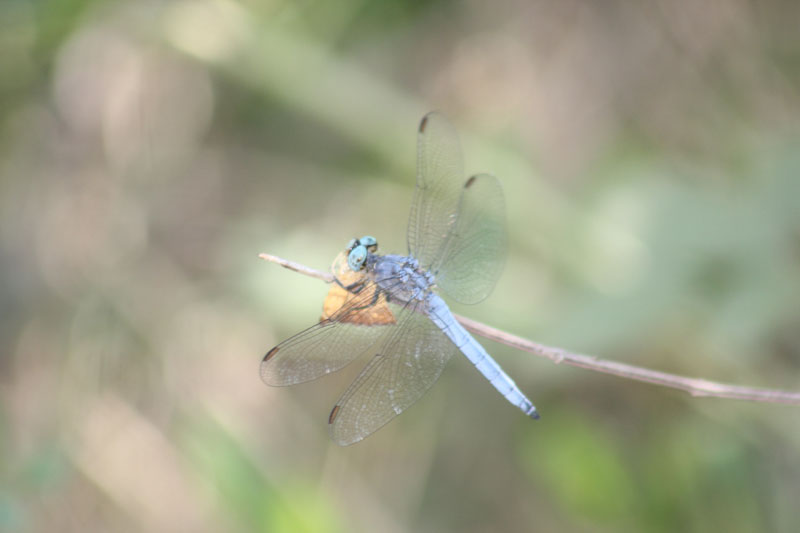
(400, 276)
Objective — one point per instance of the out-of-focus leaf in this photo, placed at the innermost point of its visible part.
(581, 466)
(245, 496)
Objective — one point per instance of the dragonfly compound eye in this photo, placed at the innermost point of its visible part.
(357, 257)
(370, 242)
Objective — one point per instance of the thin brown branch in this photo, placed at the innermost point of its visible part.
(327, 277)
(694, 386)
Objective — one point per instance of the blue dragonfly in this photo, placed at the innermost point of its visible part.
(386, 304)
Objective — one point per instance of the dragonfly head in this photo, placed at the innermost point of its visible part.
(358, 251)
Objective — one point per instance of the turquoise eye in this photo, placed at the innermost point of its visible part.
(357, 257)
(370, 242)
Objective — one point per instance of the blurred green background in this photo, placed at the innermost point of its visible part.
(150, 150)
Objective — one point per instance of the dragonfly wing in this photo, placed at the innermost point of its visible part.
(440, 171)
(329, 345)
(475, 252)
(409, 361)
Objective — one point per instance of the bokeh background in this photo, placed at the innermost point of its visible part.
(150, 150)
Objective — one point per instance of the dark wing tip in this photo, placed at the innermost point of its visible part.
(470, 181)
(270, 353)
(423, 123)
(334, 412)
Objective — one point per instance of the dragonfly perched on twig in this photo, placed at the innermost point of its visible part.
(386, 304)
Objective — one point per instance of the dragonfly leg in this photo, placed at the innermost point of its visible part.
(370, 304)
(353, 288)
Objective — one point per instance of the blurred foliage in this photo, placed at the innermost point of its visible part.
(149, 150)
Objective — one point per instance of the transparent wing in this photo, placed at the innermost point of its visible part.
(439, 175)
(329, 345)
(475, 252)
(409, 361)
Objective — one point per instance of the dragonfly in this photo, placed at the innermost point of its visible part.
(388, 306)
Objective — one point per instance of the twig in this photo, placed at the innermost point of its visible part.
(327, 277)
(694, 386)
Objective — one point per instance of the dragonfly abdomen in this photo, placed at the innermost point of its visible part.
(472, 350)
